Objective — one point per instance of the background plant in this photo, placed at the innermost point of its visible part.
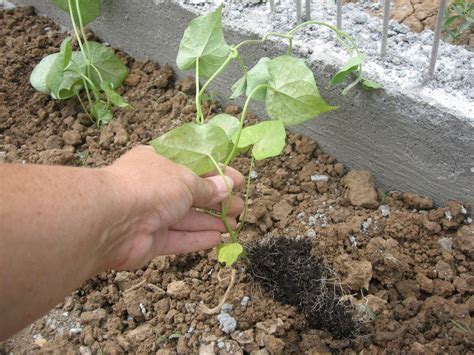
(285, 84)
(458, 18)
(94, 68)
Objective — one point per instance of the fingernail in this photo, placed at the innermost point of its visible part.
(224, 185)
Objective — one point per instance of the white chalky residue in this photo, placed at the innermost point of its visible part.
(317, 178)
(227, 323)
(245, 300)
(142, 309)
(384, 210)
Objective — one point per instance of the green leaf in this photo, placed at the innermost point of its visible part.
(370, 85)
(192, 145)
(55, 75)
(228, 123)
(229, 253)
(267, 138)
(89, 9)
(256, 76)
(292, 94)
(352, 65)
(110, 67)
(112, 95)
(203, 40)
(239, 87)
(101, 113)
(71, 82)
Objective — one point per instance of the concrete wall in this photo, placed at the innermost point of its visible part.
(406, 143)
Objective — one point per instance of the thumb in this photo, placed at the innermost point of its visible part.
(212, 190)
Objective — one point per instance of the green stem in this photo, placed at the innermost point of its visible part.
(263, 39)
(224, 206)
(78, 36)
(85, 108)
(81, 26)
(232, 55)
(199, 114)
(246, 199)
(242, 119)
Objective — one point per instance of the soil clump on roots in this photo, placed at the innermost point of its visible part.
(286, 269)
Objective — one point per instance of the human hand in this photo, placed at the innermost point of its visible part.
(155, 200)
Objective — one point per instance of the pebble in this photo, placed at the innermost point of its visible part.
(227, 323)
(245, 300)
(384, 210)
(227, 308)
(319, 178)
(361, 18)
(310, 233)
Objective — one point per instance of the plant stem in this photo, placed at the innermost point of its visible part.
(242, 118)
(232, 55)
(81, 26)
(224, 206)
(263, 39)
(85, 108)
(246, 200)
(199, 114)
(78, 36)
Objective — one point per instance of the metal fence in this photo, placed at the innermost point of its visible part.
(386, 16)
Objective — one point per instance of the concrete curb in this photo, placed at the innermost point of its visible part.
(407, 143)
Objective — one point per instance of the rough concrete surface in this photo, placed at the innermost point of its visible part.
(415, 135)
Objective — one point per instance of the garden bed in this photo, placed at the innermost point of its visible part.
(405, 264)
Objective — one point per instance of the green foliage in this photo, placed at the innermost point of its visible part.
(195, 146)
(458, 18)
(292, 93)
(89, 9)
(267, 139)
(228, 254)
(285, 85)
(94, 68)
(203, 42)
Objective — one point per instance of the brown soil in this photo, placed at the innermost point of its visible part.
(405, 265)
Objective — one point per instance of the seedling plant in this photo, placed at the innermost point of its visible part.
(93, 68)
(285, 84)
(458, 18)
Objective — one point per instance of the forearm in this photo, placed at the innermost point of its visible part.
(49, 216)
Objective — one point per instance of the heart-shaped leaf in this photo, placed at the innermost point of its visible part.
(203, 40)
(89, 9)
(292, 94)
(352, 65)
(267, 138)
(193, 145)
(229, 253)
(105, 62)
(256, 76)
(71, 82)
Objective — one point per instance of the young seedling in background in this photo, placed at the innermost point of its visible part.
(458, 18)
(285, 84)
(94, 68)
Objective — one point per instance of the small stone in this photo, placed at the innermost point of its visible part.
(446, 244)
(245, 337)
(310, 233)
(384, 210)
(227, 323)
(281, 210)
(245, 300)
(270, 326)
(416, 201)
(84, 350)
(444, 270)
(207, 349)
(227, 308)
(72, 137)
(425, 283)
(360, 18)
(319, 178)
(93, 318)
(178, 289)
(273, 344)
(360, 189)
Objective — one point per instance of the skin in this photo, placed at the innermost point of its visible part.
(60, 226)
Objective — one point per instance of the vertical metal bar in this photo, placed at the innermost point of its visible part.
(339, 14)
(386, 18)
(298, 11)
(308, 10)
(272, 5)
(437, 35)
